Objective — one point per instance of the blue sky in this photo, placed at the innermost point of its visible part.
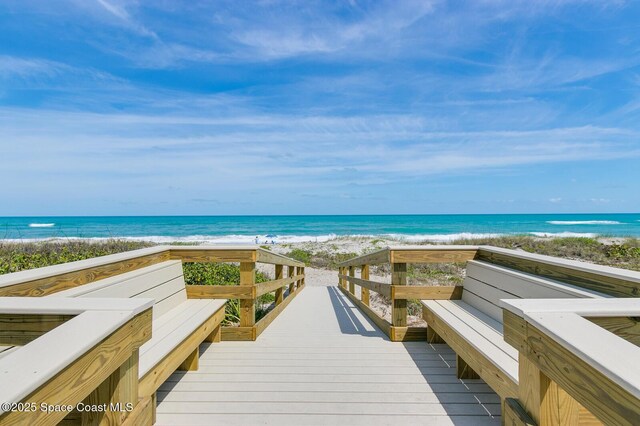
(114, 107)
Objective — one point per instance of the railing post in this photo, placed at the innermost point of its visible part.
(291, 273)
(247, 306)
(279, 291)
(364, 295)
(545, 401)
(352, 273)
(399, 306)
(302, 280)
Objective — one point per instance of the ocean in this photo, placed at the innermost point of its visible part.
(282, 229)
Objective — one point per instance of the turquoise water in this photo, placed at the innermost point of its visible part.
(244, 229)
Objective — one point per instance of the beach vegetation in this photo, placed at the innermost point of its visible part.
(300, 255)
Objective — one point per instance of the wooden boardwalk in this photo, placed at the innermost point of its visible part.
(322, 362)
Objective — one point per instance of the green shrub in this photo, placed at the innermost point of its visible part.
(300, 255)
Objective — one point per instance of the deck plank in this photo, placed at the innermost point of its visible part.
(323, 362)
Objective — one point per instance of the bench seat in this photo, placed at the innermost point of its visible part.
(475, 336)
(194, 317)
(473, 325)
(179, 324)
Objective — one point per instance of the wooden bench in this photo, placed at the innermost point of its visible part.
(179, 324)
(473, 326)
(71, 351)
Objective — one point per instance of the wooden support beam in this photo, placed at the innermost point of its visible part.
(399, 306)
(432, 336)
(380, 288)
(279, 274)
(20, 329)
(120, 387)
(191, 362)
(291, 272)
(463, 371)
(247, 306)
(546, 402)
(364, 295)
(215, 336)
(514, 415)
(352, 273)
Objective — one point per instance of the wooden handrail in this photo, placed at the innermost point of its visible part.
(380, 288)
(52, 279)
(612, 281)
(570, 362)
(269, 286)
(398, 290)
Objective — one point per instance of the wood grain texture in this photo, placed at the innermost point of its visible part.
(190, 363)
(63, 281)
(18, 330)
(279, 274)
(399, 306)
(408, 334)
(247, 306)
(215, 336)
(597, 393)
(143, 414)
(515, 330)
(79, 379)
(380, 256)
(266, 256)
(269, 286)
(364, 292)
(220, 292)
(378, 287)
(291, 272)
(614, 286)
(431, 256)
(546, 402)
(212, 255)
(352, 274)
(120, 387)
(514, 415)
(625, 327)
(426, 292)
(236, 334)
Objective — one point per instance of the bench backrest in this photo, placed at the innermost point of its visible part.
(485, 284)
(163, 282)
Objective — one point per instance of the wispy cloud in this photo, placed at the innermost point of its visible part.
(396, 99)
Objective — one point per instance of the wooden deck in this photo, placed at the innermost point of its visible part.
(323, 362)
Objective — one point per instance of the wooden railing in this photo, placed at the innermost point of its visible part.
(248, 291)
(397, 290)
(577, 358)
(608, 280)
(79, 362)
(48, 280)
